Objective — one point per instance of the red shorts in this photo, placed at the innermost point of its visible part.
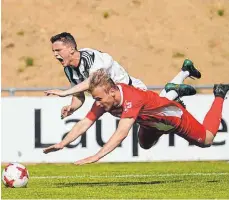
(186, 126)
(190, 129)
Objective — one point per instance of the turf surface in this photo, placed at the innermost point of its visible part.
(125, 181)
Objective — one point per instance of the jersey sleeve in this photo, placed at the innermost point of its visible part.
(131, 109)
(95, 113)
(102, 61)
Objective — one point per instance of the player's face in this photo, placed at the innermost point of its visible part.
(103, 98)
(62, 52)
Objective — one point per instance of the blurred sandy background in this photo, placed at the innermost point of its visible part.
(150, 38)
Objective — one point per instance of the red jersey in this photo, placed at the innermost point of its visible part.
(146, 107)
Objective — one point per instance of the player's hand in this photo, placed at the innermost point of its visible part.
(56, 92)
(53, 148)
(66, 111)
(87, 160)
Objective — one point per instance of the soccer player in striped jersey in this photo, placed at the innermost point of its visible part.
(80, 64)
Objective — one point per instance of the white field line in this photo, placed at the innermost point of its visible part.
(130, 175)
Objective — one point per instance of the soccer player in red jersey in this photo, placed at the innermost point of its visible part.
(156, 116)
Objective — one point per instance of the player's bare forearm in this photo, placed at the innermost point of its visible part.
(77, 100)
(79, 129)
(76, 131)
(112, 143)
(119, 135)
(81, 87)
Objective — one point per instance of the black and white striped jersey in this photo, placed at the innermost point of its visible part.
(90, 61)
(78, 74)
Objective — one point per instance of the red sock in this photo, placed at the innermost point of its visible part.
(213, 117)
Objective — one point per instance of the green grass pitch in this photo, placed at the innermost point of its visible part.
(205, 180)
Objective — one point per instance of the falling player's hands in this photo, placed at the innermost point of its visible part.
(56, 92)
(53, 148)
(87, 160)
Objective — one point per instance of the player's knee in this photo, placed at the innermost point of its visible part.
(148, 144)
(203, 144)
(145, 146)
(207, 143)
(209, 139)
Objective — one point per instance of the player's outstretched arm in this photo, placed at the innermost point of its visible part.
(79, 129)
(120, 134)
(81, 87)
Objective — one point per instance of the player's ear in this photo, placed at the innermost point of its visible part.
(112, 92)
(72, 50)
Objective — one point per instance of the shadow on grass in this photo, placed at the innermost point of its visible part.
(213, 181)
(92, 184)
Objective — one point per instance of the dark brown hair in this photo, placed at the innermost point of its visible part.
(66, 38)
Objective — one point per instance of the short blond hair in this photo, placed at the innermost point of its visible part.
(101, 78)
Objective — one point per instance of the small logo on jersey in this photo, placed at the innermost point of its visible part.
(127, 106)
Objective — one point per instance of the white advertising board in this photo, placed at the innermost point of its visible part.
(29, 124)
